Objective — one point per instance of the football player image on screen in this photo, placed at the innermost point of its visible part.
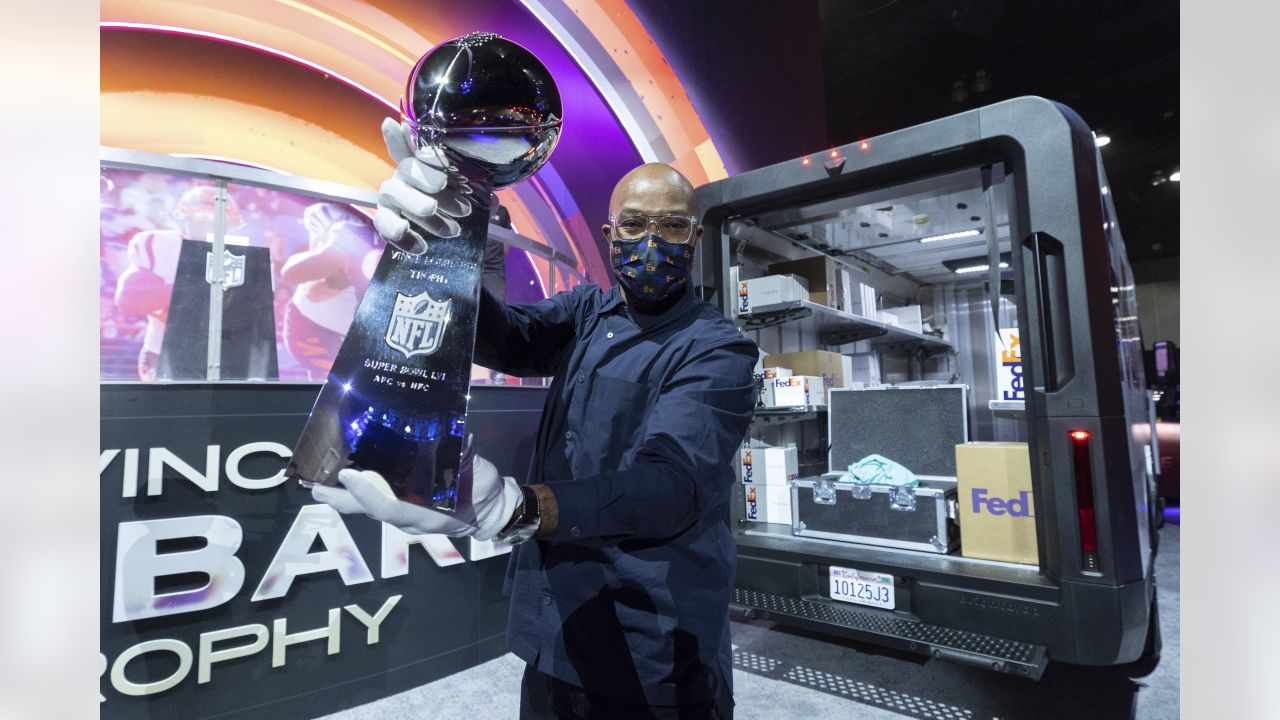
(331, 276)
(146, 286)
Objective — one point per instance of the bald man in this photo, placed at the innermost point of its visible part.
(620, 603)
(624, 560)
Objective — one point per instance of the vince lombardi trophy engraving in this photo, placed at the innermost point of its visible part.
(396, 398)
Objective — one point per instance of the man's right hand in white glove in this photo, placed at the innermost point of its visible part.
(426, 195)
(495, 498)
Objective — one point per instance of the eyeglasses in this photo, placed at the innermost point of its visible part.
(676, 229)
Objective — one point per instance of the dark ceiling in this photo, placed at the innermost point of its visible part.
(889, 64)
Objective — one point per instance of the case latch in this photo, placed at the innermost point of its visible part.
(824, 492)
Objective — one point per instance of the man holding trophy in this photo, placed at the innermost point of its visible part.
(624, 562)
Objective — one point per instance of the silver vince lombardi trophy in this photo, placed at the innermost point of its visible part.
(396, 399)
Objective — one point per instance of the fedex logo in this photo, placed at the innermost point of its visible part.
(753, 506)
(744, 301)
(746, 468)
(1011, 387)
(1015, 507)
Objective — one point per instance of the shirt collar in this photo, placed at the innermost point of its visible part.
(612, 299)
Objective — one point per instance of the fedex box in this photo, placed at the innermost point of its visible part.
(770, 290)
(767, 503)
(1009, 383)
(821, 363)
(997, 518)
(799, 390)
(766, 476)
(769, 465)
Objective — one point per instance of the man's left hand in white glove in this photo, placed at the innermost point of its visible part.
(496, 500)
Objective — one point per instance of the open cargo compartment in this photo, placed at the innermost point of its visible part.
(992, 220)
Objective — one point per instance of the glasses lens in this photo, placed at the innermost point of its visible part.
(632, 227)
(675, 229)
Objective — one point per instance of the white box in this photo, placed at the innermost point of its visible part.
(907, 318)
(888, 318)
(848, 302)
(770, 290)
(846, 364)
(767, 503)
(799, 390)
(866, 302)
(769, 465)
(734, 272)
(866, 368)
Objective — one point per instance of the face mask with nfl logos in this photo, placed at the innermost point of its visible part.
(651, 269)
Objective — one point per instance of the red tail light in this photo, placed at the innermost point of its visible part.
(1083, 467)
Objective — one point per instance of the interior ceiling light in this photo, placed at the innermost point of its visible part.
(1101, 140)
(1175, 176)
(977, 268)
(980, 263)
(952, 235)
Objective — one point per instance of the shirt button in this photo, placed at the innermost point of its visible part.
(582, 378)
(574, 531)
(609, 335)
(568, 434)
(546, 600)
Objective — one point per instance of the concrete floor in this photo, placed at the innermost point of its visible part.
(781, 673)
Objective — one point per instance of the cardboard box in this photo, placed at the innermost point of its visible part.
(829, 366)
(767, 503)
(997, 517)
(907, 318)
(821, 274)
(770, 290)
(799, 390)
(769, 465)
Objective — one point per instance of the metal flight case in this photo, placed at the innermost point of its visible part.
(1024, 240)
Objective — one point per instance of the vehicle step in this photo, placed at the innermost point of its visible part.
(961, 646)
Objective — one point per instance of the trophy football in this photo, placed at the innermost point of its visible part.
(395, 400)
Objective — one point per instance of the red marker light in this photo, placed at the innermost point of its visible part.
(1079, 435)
(804, 161)
(864, 146)
(835, 153)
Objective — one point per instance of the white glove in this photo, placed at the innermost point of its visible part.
(427, 193)
(496, 499)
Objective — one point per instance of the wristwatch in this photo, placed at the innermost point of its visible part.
(526, 522)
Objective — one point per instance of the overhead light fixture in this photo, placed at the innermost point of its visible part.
(952, 235)
(1175, 176)
(977, 268)
(1101, 140)
(965, 266)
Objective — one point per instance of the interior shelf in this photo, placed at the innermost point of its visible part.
(836, 327)
(1007, 406)
(779, 415)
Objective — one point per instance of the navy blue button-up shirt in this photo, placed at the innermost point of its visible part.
(629, 597)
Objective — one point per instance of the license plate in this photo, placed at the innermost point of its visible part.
(862, 587)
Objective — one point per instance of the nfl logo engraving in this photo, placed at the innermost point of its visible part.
(417, 324)
(232, 269)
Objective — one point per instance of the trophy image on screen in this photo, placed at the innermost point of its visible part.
(395, 400)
